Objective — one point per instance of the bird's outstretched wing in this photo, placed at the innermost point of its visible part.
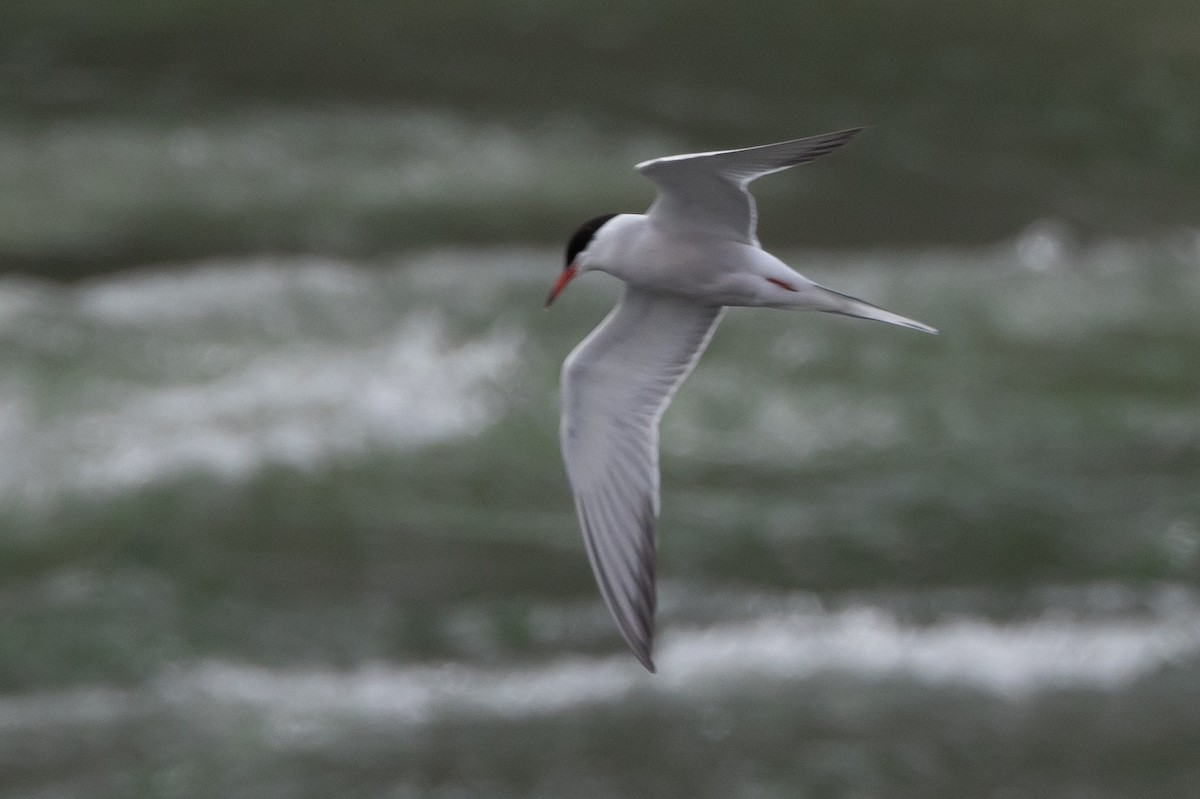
(615, 386)
(708, 191)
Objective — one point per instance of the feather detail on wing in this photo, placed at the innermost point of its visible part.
(615, 386)
(707, 191)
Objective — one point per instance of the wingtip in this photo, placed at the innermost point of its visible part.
(642, 647)
(848, 135)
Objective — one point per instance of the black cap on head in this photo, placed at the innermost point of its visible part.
(584, 235)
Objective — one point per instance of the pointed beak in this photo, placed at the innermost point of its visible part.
(561, 283)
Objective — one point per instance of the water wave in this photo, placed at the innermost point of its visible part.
(1014, 661)
(228, 368)
(865, 642)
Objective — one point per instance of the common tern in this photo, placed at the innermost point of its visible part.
(692, 253)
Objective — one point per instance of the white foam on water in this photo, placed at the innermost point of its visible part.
(1009, 660)
(312, 172)
(1012, 661)
(174, 390)
(407, 390)
(246, 289)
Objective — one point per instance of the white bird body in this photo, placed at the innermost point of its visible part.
(717, 271)
(691, 254)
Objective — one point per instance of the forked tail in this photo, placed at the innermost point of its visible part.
(829, 301)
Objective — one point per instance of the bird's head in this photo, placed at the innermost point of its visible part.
(577, 253)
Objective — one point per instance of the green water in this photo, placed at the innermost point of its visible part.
(281, 505)
(299, 528)
(135, 132)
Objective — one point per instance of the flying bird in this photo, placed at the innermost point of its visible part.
(691, 254)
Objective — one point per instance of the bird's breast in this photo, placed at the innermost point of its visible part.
(696, 265)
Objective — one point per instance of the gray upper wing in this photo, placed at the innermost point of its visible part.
(708, 191)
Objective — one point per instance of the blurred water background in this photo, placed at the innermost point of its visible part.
(281, 506)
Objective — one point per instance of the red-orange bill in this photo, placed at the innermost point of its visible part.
(560, 284)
